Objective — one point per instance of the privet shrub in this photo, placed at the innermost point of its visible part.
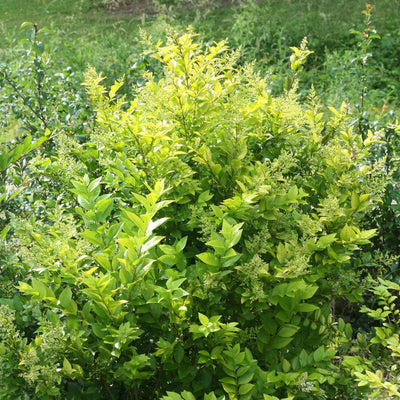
(209, 251)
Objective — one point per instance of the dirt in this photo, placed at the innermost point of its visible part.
(151, 8)
(135, 8)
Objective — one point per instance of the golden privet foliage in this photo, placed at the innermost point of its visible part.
(219, 228)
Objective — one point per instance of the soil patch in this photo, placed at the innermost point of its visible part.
(151, 8)
(135, 8)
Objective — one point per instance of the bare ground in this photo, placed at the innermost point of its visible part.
(151, 8)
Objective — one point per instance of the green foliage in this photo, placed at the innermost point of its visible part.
(374, 359)
(30, 366)
(35, 97)
(384, 216)
(204, 232)
(365, 40)
(203, 236)
(43, 120)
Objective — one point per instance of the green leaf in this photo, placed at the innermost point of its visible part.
(149, 244)
(103, 209)
(136, 220)
(347, 233)
(128, 243)
(325, 241)
(229, 384)
(65, 297)
(179, 353)
(173, 396)
(292, 194)
(242, 370)
(341, 324)
(351, 361)
(4, 160)
(154, 224)
(67, 367)
(168, 259)
(103, 261)
(23, 287)
(319, 354)
(4, 232)
(142, 200)
(25, 24)
(84, 203)
(181, 244)
(280, 342)
(174, 284)
(281, 253)
(94, 186)
(286, 365)
(244, 389)
(99, 330)
(218, 244)
(72, 308)
(217, 211)
(306, 307)
(348, 331)
(86, 311)
(355, 201)
(187, 395)
(307, 292)
(93, 237)
(203, 319)
(40, 287)
(288, 330)
(125, 275)
(40, 141)
(15, 154)
(247, 377)
(208, 258)
(204, 197)
(303, 358)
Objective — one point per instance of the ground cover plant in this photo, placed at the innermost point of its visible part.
(200, 235)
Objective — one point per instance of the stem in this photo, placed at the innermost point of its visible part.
(21, 96)
(107, 389)
(185, 128)
(293, 78)
(363, 87)
(366, 41)
(187, 83)
(154, 316)
(237, 384)
(156, 384)
(141, 151)
(135, 391)
(213, 175)
(38, 64)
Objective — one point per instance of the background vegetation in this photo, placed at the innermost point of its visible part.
(188, 217)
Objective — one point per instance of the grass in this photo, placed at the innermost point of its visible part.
(84, 33)
(62, 13)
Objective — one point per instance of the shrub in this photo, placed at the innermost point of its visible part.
(212, 237)
(42, 112)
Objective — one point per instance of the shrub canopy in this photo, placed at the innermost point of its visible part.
(209, 249)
